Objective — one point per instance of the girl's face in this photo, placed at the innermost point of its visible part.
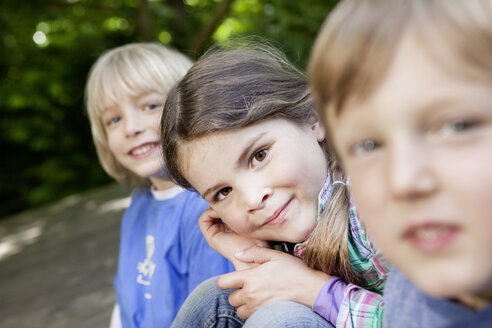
(263, 180)
(132, 128)
(418, 152)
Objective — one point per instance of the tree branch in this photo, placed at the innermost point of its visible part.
(144, 21)
(200, 42)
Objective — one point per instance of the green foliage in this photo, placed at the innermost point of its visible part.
(48, 47)
(289, 25)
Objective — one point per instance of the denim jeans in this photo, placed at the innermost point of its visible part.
(208, 306)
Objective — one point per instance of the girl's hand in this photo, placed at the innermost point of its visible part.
(224, 240)
(278, 277)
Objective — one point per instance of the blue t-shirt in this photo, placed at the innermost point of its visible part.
(407, 307)
(163, 257)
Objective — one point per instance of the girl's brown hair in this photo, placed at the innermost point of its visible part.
(234, 88)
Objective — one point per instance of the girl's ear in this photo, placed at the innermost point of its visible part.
(318, 129)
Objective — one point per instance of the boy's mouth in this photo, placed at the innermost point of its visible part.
(142, 150)
(431, 237)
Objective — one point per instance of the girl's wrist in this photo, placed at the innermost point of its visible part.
(329, 299)
(312, 286)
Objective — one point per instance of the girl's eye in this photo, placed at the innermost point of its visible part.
(457, 126)
(152, 106)
(223, 193)
(364, 146)
(259, 156)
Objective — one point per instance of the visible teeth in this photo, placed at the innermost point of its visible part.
(430, 233)
(142, 150)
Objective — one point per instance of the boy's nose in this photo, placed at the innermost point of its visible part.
(410, 173)
(133, 131)
(133, 126)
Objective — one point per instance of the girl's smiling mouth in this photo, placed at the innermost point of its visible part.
(279, 216)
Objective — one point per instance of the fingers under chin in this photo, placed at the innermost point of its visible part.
(235, 299)
(243, 312)
(231, 280)
(223, 282)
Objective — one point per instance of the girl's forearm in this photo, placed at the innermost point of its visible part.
(348, 305)
(329, 299)
(309, 286)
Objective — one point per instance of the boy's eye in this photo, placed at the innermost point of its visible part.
(223, 193)
(259, 156)
(113, 120)
(152, 106)
(364, 146)
(457, 126)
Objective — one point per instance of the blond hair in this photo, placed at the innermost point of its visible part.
(359, 38)
(128, 71)
(235, 88)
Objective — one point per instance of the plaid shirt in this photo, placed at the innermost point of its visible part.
(363, 307)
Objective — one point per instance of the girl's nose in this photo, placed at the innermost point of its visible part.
(410, 172)
(255, 198)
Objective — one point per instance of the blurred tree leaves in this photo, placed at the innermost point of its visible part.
(48, 46)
